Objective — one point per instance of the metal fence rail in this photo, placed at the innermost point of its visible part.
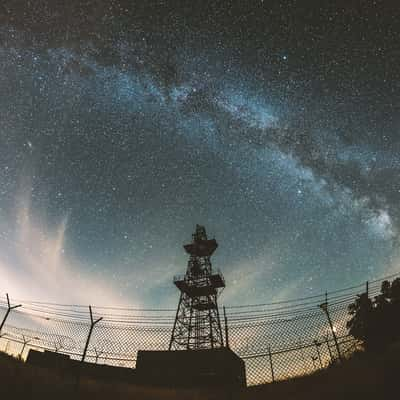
(277, 340)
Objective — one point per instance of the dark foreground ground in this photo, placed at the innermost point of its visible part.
(365, 376)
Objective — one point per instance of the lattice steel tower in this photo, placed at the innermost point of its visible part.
(197, 323)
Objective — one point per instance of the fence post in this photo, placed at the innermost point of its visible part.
(329, 348)
(92, 324)
(226, 328)
(271, 364)
(8, 311)
(57, 345)
(317, 345)
(78, 369)
(324, 307)
(98, 354)
(25, 342)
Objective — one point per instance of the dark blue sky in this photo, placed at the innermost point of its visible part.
(122, 126)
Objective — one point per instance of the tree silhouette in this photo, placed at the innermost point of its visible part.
(376, 322)
(360, 324)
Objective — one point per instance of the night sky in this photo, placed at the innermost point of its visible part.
(276, 124)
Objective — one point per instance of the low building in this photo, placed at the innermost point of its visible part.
(191, 368)
(62, 363)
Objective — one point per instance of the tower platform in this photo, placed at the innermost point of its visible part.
(206, 286)
(201, 248)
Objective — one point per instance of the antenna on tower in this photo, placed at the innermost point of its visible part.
(197, 324)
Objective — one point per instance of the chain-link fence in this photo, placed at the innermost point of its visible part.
(277, 340)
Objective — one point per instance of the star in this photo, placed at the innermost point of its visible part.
(123, 132)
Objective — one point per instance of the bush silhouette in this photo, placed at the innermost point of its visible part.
(376, 322)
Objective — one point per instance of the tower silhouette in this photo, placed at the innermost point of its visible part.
(197, 324)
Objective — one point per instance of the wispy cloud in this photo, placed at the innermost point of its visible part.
(35, 263)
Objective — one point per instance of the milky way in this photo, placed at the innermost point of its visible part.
(276, 126)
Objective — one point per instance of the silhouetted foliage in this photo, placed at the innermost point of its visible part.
(361, 310)
(376, 322)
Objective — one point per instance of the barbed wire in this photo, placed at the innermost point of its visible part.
(277, 340)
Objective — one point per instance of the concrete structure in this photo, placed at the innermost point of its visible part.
(219, 367)
(62, 363)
